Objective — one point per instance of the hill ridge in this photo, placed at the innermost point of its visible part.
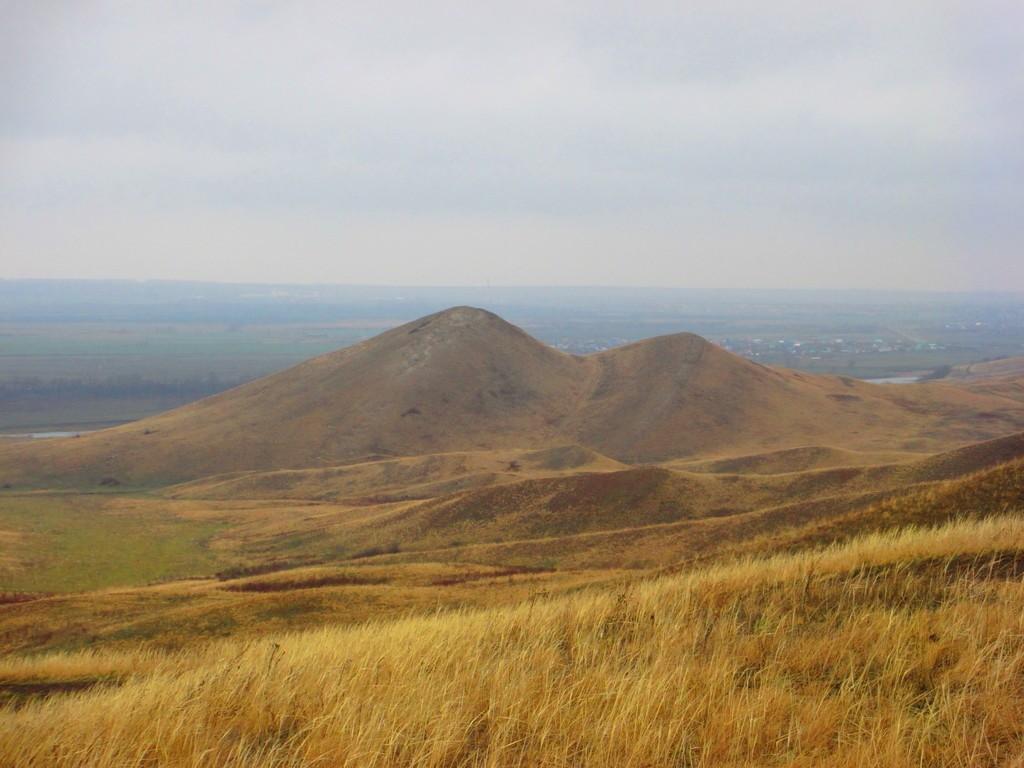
(464, 379)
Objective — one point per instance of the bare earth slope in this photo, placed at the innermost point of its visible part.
(465, 380)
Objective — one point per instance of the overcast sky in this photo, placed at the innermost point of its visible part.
(719, 144)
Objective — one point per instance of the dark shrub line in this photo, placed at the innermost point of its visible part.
(336, 580)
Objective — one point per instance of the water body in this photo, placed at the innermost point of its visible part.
(894, 380)
(41, 435)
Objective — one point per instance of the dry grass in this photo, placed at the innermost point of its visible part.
(183, 614)
(411, 477)
(988, 493)
(895, 649)
(77, 666)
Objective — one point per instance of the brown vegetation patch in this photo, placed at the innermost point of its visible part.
(242, 571)
(609, 488)
(389, 549)
(10, 598)
(1005, 565)
(311, 582)
(462, 578)
(381, 498)
(16, 694)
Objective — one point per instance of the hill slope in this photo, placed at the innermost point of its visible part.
(258, 566)
(635, 517)
(990, 369)
(894, 650)
(414, 477)
(465, 380)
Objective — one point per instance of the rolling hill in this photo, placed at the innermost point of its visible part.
(253, 566)
(466, 380)
(989, 369)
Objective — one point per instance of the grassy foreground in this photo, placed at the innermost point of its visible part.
(894, 649)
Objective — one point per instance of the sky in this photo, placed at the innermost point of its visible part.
(695, 144)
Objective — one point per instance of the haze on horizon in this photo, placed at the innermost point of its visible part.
(737, 144)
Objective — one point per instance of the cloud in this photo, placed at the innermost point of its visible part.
(768, 140)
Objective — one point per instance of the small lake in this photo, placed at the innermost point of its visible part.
(40, 435)
(894, 380)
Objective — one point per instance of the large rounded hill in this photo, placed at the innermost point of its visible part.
(464, 379)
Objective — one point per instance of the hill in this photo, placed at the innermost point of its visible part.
(175, 570)
(802, 459)
(563, 522)
(396, 479)
(989, 369)
(465, 380)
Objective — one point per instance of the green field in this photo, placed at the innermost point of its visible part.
(81, 376)
(62, 542)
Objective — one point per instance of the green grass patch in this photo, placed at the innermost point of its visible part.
(63, 543)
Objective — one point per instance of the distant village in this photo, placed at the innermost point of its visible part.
(821, 348)
(807, 349)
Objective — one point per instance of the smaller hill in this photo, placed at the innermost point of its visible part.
(988, 493)
(989, 369)
(576, 504)
(654, 516)
(415, 477)
(466, 501)
(970, 458)
(794, 460)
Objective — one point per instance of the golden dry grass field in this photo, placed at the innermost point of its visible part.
(896, 649)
